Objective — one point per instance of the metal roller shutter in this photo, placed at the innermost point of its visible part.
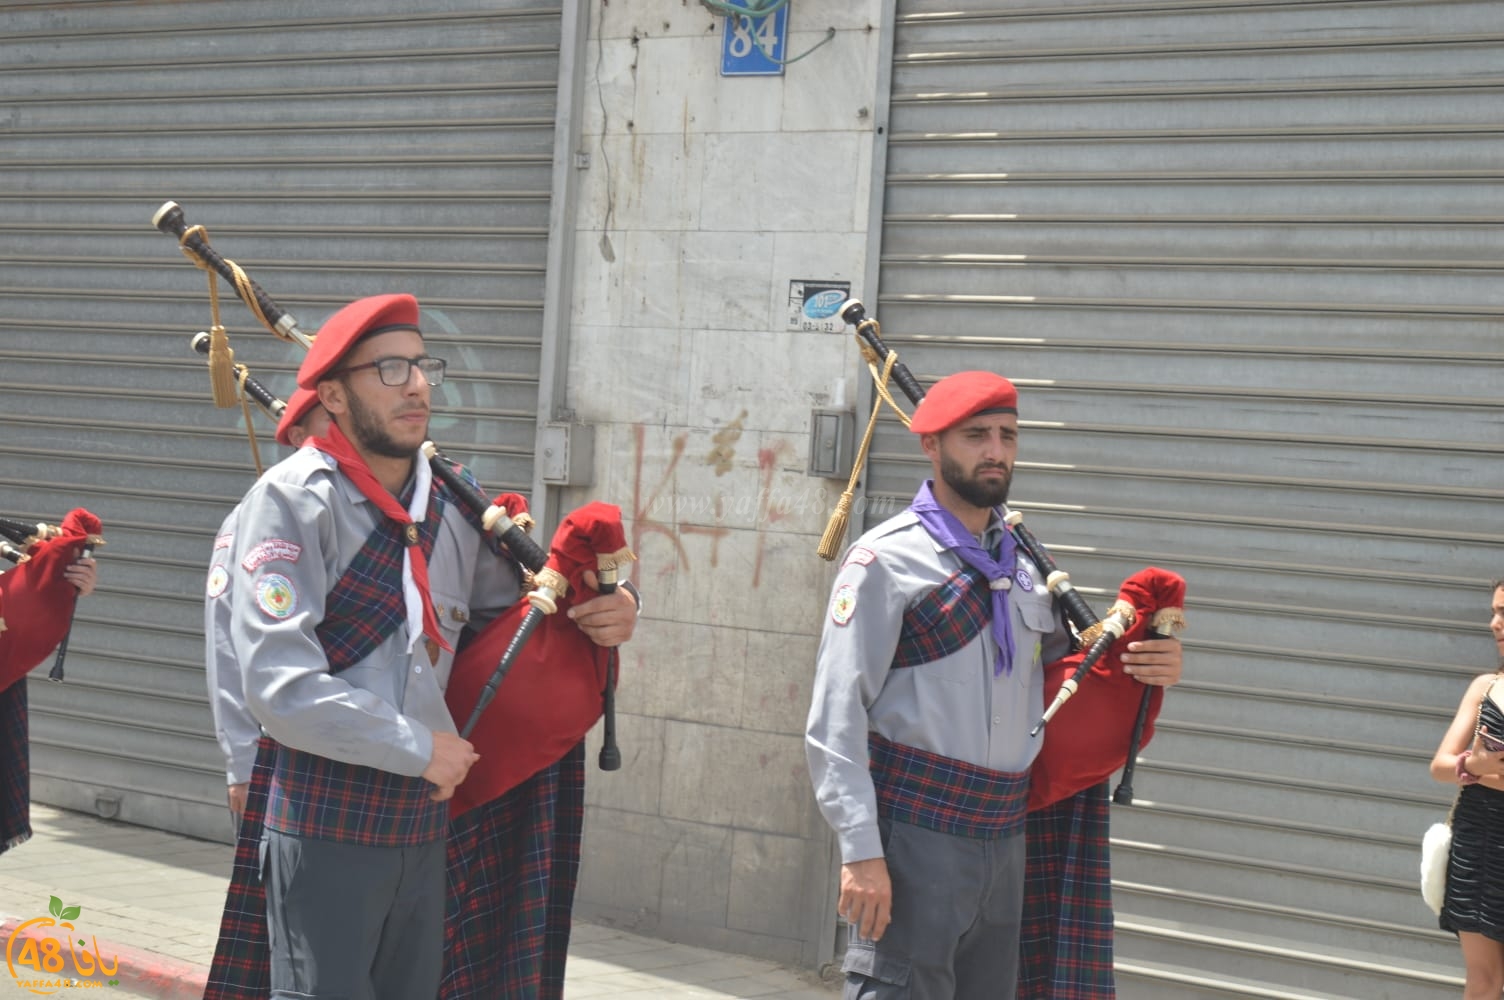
(346, 151)
(1244, 260)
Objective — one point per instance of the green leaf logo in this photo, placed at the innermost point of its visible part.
(55, 907)
(71, 912)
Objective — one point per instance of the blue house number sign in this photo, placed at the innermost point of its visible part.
(753, 46)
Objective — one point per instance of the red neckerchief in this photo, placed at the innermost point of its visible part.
(338, 447)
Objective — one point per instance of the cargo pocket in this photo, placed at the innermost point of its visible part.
(871, 975)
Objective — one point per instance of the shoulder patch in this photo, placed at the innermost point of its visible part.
(223, 541)
(219, 579)
(269, 550)
(843, 604)
(859, 555)
(276, 595)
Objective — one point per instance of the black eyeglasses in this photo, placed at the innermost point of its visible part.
(396, 371)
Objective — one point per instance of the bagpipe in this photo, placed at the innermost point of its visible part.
(36, 601)
(537, 680)
(1099, 727)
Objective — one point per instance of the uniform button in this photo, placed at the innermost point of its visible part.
(997, 720)
(418, 668)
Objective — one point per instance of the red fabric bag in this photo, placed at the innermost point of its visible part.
(552, 695)
(36, 602)
(1087, 740)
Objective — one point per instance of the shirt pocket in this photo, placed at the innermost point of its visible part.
(453, 614)
(1036, 609)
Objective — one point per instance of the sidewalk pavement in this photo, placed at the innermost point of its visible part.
(151, 901)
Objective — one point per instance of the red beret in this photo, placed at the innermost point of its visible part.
(298, 407)
(344, 328)
(962, 395)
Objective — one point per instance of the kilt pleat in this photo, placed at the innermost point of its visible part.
(15, 768)
(1066, 941)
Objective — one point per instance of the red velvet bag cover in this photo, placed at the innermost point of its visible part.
(36, 602)
(552, 695)
(1087, 740)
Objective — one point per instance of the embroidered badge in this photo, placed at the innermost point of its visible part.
(1024, 579)
(860, 555)
(223, 541)
(275, 595)
(843, 605)
(219, 579)
(272, 548)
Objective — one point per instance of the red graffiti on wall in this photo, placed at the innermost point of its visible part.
(647, 503)
(645, 522)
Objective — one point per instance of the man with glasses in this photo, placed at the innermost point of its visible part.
(354, 572)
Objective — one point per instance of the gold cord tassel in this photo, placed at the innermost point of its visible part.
(835, 528)
(222, 381)
(250, 428)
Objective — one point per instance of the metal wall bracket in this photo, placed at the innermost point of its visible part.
(567, 454)
(832, 439)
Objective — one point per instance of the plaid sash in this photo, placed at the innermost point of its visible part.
(946, 795)
(365, 608)
(313, 796)
(15, 768)
(1065, 944)
(945, 620)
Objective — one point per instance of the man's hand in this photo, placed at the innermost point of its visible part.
(83, 574)
(451, 761)
(606, 619)
(866, 897)
(237, 795)
(1153, 661)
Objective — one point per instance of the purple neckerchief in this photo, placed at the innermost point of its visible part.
(945, 528)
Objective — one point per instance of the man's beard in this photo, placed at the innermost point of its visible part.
(993, 493)
(370, 435)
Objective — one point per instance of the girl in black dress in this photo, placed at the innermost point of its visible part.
(1472, 755)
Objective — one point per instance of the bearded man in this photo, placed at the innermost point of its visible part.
(928, 681)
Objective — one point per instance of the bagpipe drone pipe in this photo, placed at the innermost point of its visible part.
(36, 600)
(1102, 716)
(531, 675)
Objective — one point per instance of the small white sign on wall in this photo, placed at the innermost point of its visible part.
(814, 305)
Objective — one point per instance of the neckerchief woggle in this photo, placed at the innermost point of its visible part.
(945, 528)
(421, 620)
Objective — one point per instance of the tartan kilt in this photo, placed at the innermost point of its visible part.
(1066, 941)
(15, 768)
(241, 966)
(513, 865)
(512, 868)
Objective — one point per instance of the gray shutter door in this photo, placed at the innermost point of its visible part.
(349, 150)
(1244, 261)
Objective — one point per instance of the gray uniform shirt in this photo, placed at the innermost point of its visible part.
(299, 528)
(234, 726)
(954, 706)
